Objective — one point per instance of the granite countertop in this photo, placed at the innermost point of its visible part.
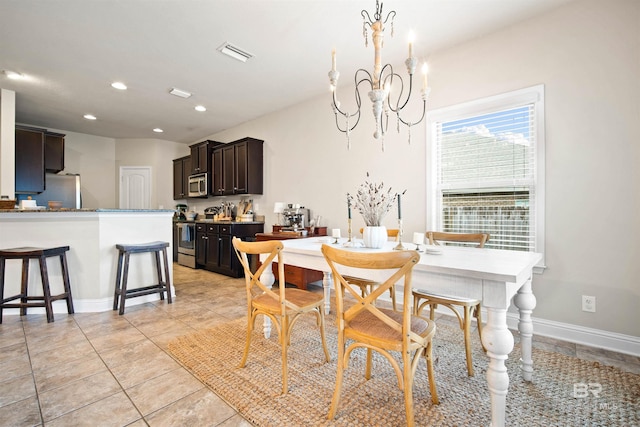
(43, 209)
(211, 221)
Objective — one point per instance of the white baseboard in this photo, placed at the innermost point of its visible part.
(620, 343)
(598, 338)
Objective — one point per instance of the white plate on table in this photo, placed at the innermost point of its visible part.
(433, 250)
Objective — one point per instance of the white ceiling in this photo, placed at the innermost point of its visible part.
(72, 50)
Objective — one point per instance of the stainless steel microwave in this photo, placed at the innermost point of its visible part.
(198, 185)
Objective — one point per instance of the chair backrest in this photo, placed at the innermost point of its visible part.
(253, 281)
(400, 262)
(435, 237)
(391, 232)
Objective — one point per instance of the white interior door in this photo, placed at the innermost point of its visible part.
(135, 187)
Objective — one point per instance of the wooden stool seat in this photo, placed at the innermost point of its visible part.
(41, 254)
(164, 284)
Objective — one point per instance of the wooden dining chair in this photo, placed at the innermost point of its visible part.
(366, 285)
(365, 325)
(470, 307)
(282, 306)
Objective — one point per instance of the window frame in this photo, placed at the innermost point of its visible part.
(477, 107)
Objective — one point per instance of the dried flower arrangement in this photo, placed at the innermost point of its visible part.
(372, 201)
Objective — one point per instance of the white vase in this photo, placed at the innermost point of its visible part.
(374, 236)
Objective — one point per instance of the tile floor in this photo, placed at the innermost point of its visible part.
(102, 369)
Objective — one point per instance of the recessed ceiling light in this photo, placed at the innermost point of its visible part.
(119, 85)
(90, 117)
(235, 52)
(158, 130)
(201, 108)
(179, 92)
(13, 75)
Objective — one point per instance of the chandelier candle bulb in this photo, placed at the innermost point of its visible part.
(333, 60)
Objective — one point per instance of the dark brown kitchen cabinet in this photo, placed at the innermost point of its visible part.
(216, 173)
(200, 158)
(214, 247)
(29, 161)
(237, 168)
(248, 166)
(181, 172)
(53, 152)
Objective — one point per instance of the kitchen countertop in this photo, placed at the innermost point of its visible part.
(211, 221)
(46, 210)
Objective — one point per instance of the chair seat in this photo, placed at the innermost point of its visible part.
(301, 298)
(444, 299)
(366, 324)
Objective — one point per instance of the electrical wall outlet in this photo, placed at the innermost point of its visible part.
(588, 303)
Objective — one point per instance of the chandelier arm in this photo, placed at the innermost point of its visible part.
(391, 15)
(366, 17)
(424, 109)
(358, 99)
(406, 101)
(398, 109)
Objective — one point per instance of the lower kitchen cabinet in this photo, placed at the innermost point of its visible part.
(214, 247)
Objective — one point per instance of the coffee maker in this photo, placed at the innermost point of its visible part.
(295, 218)
(180, 212)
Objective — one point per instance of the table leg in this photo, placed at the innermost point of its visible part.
(526, 302)
(498, 341)
(327, 282)
(268, 279)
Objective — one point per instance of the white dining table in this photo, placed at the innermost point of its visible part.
(496, 277)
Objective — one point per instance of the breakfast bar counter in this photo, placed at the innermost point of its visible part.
(91, 235)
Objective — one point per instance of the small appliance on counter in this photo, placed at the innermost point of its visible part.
(295, 218)
(181, 210)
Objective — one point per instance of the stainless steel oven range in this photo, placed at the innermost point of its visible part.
(187, 244)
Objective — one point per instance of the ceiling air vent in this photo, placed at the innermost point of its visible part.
(234, 52)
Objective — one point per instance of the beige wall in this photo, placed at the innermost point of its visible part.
(587, 56)
(157, 154)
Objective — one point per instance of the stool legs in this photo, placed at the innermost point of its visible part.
(45, 289)
(23, 287)
(163, 285)
(46, 300)
(67, 284)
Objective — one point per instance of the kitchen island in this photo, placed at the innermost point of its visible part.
(91, 235)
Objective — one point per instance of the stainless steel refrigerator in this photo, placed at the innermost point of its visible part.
(63, 188)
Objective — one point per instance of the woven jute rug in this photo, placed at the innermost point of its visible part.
(565, 391)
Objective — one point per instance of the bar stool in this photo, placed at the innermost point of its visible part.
(163, 285)
(41, 254)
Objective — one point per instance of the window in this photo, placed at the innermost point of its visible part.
(486, 169)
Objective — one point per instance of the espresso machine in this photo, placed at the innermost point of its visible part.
(295, 218)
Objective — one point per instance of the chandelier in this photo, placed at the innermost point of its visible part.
(383, 79)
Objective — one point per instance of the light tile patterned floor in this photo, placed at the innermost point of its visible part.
(102, 369)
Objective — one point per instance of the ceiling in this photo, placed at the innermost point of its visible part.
(70, 52)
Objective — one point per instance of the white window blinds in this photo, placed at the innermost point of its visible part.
(486, 175)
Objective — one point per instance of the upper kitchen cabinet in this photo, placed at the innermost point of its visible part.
(201, 156)
(237, 168)
(29, 156)
(181, 171)
(248, 166)
(53, 152)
